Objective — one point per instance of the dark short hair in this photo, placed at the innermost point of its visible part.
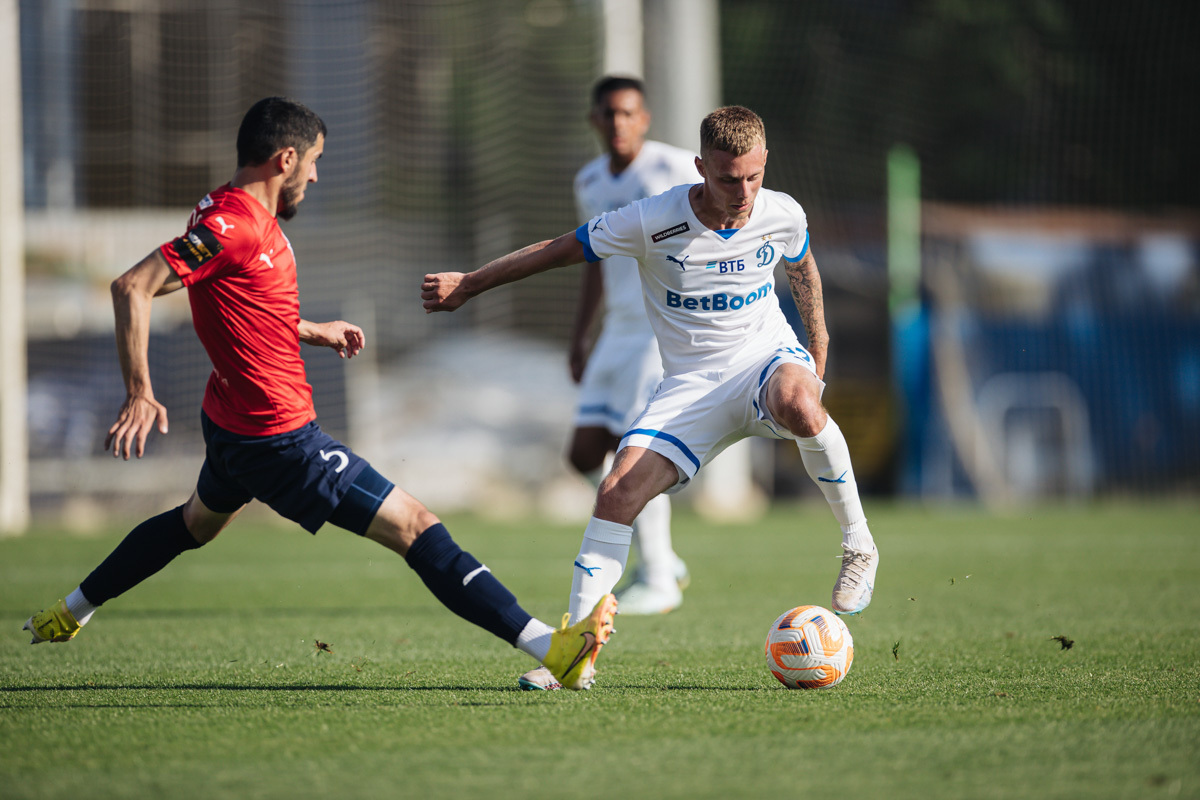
(273, 124)
(615, 83)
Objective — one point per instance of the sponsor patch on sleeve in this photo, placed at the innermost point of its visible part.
(675, 230)
(197, 246)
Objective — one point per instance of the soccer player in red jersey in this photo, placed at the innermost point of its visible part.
(260, 432)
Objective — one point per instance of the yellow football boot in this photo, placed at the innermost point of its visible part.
(54, 624)
(573, 650)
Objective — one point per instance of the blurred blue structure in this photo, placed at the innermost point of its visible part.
(1061, 363)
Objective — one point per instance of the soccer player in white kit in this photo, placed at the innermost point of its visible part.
(623, 368)
(733, 366)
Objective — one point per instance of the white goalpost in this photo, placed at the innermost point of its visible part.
(14, 473)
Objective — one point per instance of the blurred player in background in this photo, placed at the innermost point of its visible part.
(618, 376)
(733, 365)
(262, 441)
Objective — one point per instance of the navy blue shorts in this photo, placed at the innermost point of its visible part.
(305, 475)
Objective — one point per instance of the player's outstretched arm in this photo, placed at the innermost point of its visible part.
(132, 295)
(446, 291)
(343, 337)
(805, 282)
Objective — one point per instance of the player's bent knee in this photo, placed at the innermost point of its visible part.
(805, 419)
(797, 407)
(622, 498)
(583, 461)
(204, 523)
(589, 446)
(401, 519)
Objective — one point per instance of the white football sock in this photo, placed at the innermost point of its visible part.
(79, 607)
(652, 536)
(534, 639)
(827, 460)
(599, 565)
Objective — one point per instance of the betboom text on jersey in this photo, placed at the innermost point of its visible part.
(719, 301)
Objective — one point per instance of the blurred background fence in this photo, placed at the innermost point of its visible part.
(1039, 338)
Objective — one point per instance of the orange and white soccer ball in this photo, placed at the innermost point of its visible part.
(809, 647)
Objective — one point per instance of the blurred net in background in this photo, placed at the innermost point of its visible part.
(455, 132)
(1051, 348)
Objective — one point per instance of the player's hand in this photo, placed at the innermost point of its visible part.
(443, 292)
(345, 338)
(138, 416)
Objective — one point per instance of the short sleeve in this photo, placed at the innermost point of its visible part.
(210, 247)
(797, 245)
(615, 233)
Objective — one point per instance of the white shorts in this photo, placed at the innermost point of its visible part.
(694, 416)
(621, 375)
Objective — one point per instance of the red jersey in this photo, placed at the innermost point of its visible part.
(240, 273)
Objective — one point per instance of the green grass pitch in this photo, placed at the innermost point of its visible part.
(205, 681)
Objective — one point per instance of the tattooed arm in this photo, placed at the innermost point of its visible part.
(806, 291)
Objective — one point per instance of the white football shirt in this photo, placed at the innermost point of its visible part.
(657, 168)
(711, 298)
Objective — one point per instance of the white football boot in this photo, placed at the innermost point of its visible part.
(539, 679)
(641, 598)
(856, 581)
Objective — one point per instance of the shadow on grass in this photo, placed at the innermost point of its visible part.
(200, 613)
(284, 687)
(214, 689)
(231, 687)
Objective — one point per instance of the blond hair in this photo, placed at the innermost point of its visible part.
(733, 129)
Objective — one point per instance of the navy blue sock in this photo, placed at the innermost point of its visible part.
(148, 548)
(464, 585)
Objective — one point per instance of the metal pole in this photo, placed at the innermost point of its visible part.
(683, 67)
(14, 445)
(623, 38)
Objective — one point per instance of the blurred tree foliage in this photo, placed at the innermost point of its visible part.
(1012, 101)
